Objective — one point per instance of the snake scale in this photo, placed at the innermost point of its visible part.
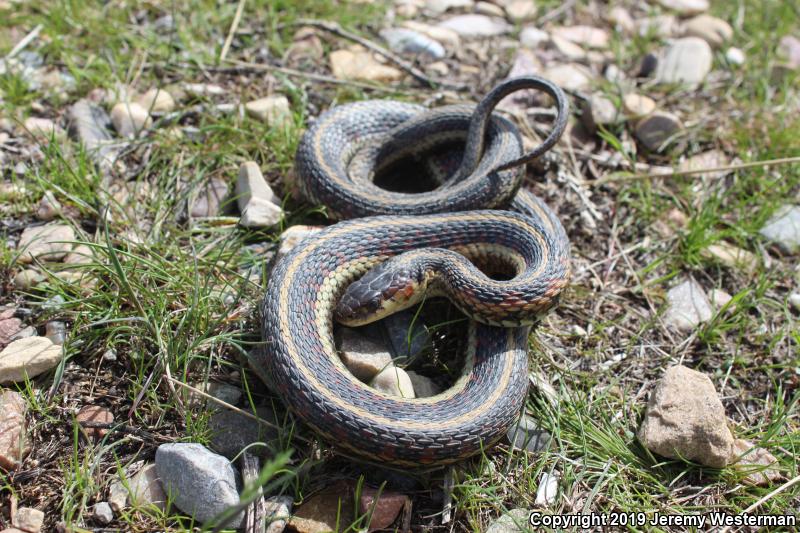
(398, 245)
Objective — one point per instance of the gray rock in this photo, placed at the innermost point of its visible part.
(395, 381)
(440, 6)
(794, 300)
(424, 387)
(476, 26)
(687, 61)
(200, 482)
(789, 49)
(50, 242)
(232, 432)
(364, 357)
(274, 110)
(656, 130)
(784, 228)
(102, 513)
(117, 495)
(570, 76)
(405, 41)
(548, 489)
(146, 489)
(527, 435)
(687, 306)
(686, 7)
(292, 236)
(257, 203)
(407, 335)
(514, 521)
(735, 56)
(598, 110)
(686, 420)
(209, 199)
(130, 119)
(89, 124)
(533, 37)
(712, 30)
(279, 509)
(56, 331)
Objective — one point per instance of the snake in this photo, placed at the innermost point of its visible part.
(497, 251)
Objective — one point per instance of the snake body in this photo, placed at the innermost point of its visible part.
(397, 241)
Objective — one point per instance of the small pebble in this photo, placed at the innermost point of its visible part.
(103, 514)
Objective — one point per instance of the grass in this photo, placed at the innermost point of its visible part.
(183, 299)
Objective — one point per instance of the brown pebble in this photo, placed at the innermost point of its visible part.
(96, 415)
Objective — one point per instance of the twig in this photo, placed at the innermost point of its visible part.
(417, 74)
(447, 489)
(693, 172)
(256, 513)
(766, 498)
(25, 41)
(234, 26)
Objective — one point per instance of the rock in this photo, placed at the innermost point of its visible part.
(533, 37)
(204, 90)
(440, 6)
(56, 331)
(528, 436)
(712, 30)
(656, 131)
(476, 26)
(229, 394)
(735, 56)
(568, 49)
(382, 506)
(102, 513)
(489, 9)
(48, 207)
(663, 26)
(707, 160)
(292, 236)
(585, 36)
(789, 49)
(525, 63)
(279, 509)
(362, 356)
(361, 65)
(570, 76)
(514, 521)
(24, 333)
(784, 229)
(794, 300)
(209, 199)
(89, 124)
(50, 242)
(731, 256)
(146, 489)
(406, 333)
(718, 298)
(637, 105)
(306, 46)
(648, 66)
(117, 495)
(324, 512)
(448, 38)
(232, 432)
(687, 306)
(687, 61)
(14, 445)
(82, 254)
(257, 202)
(547, 491)
(94, 414)
(685, 7)
(424, 387)
(43, 129)
(599, 111)
(621, 19)
(130, 119)
(201, 483)
(405, 41)
(521, 10)
(157, 101)
(28, 358)
(393, 381)
(749, 458)
(28, 519)
(274, 110)
(9, 326)
(686, 420)
(26, 279)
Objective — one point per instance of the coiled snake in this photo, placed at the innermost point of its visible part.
(407, 243)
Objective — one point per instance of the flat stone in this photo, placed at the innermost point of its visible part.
(784, 229)
(48, 207)
(711, 159)
(94, 414)
(209, 199)
(598, 110)
(662, 26)
(82, 254)
(514, 521)
(585, 36)
(686, 61)
(232, 432)
(292, 236)
(686, 420)
(547, 491)
(685, 7)
(525, 63)
(570, 76)
(731, 256)
(719, 298)
(735, 56)
(50, 242)
(28, 519)
(568, 49)
(146, 489)
(687, 306)
(448, 38)
(9, 326)
(89, 123)
(712, 30)
(476, 26)
(385, 506)
(621, 19)
(204, 90)
(760, 464)
(637, 105)
(533, 37)
(28, 358)
(656, 130)
(200, 482)
(406, 41)
(521, 10)
(364, 357)
(424, 387)
(526, 435)
(489, 9)
(43, 129)
(130, 118)
(789, 50)
(279, 509)
(117, 495)
(102, 513)
(361, 65)
(14, 445)
(157, 100)
(257, 202)
(324, 512)
(274, 110)
(395, 381)
(440, 6)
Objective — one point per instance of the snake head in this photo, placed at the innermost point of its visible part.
(390, 287)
